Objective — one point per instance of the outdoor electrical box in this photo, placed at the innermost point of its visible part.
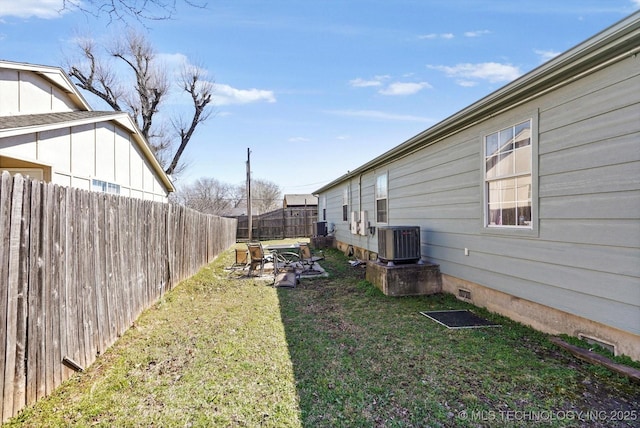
(364, 223)
(354, 223)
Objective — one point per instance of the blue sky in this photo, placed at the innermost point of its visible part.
(317, 88)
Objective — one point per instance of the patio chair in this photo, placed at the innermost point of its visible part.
(256, 257)
(307, 258)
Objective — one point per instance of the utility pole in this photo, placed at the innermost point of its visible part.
(249, 216)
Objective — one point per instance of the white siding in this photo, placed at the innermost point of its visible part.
(137, 166)
(122, 155)
(20, 146)
(55, 147)
(83, 154)
(9, 98)
(105, 152)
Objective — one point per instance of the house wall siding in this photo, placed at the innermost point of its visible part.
(79, 154)
(24, 92)
(73, 156)
(583, 256)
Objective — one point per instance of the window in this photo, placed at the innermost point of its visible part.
(381, 199)
(105, 186)
(345, 204)
(323, 206)
(508, 177)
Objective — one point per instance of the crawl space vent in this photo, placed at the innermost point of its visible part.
(460, 318)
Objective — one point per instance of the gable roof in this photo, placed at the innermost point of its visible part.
(68, 118)
(54, 75)
(29, 123)
(300, 199)
(613, 44)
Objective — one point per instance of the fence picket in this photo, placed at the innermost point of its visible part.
(5, 231)
(77, 268)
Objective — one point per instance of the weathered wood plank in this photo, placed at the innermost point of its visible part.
(63, 275)
(57, 283)
(76, 270)
(22, 304)
(35, 285)
(5, 232)
(11, 303)
(45, 332)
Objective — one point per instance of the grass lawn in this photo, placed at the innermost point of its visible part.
(333, 352)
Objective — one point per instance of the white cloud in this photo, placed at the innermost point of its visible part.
(375, 114)
(491, 71)
(436, 36)
(467, 83)
(361, 83)
(46, 9)
(225, 95)
(476, 33)
(364, 83)
(404, 88)
(547, 55)
(636, 3)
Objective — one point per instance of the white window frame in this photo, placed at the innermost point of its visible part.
(530, 228)
(104, 186)
(345, 204)
(382, 193)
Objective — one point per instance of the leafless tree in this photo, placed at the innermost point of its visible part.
(265, 196)
(206, 195)
(128, 10)
(212, 196)
(95, 73)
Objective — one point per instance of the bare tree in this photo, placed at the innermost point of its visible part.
(201, 91)
(127, 10)
(206, 195)
(265, 196)
(95, 73)
(212, 196)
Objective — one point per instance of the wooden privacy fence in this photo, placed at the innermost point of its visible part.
(291, 222)
(77, 268)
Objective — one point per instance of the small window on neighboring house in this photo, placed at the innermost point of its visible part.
(345, 204)
(323, 205)
(381, 199)
(508, 177)
(105, 186)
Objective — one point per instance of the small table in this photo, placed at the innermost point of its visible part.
(286, 254)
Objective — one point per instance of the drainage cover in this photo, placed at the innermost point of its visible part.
(460, 318)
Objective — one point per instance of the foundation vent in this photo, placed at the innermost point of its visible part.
(464, 294)
(597, 342)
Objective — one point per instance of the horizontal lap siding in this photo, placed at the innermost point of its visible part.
(584, 259)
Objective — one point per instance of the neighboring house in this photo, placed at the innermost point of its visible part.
(528, 199)
(50, 133)
(295, 200)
